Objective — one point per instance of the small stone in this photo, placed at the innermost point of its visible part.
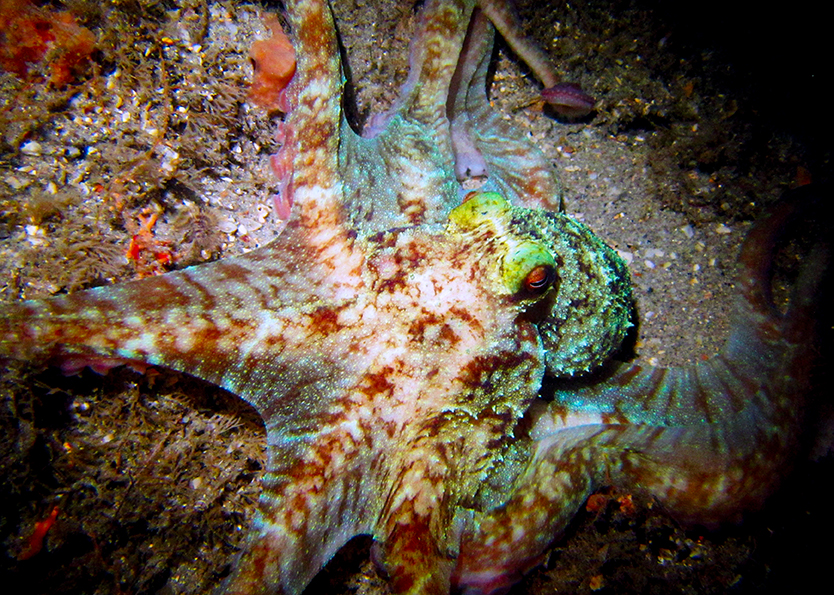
(31, 148)
(627, 257)
(226, 225)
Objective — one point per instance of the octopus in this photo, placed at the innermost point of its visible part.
(395, 337)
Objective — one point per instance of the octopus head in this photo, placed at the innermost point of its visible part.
(575, 287)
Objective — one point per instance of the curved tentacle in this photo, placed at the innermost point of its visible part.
(709, 441)
(307, 162)
(486, 144)
(502, 16)
(403, 160)
(713, 439)
(443, 100)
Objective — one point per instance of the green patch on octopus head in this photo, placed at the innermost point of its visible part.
(527, 267)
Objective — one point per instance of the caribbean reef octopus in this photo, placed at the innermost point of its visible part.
(395, 336)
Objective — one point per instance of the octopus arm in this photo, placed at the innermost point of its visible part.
(709, 441)
(444, 101)
(487, 145)
(242, 323)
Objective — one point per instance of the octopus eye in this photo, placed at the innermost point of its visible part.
(540, 279)
(528, 270)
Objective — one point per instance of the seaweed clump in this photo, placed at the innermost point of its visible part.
(30, 34)
(160, 122)
(152, 478)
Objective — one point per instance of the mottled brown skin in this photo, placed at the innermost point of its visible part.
(394, 341)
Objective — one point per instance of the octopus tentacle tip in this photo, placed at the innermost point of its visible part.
(569, 100)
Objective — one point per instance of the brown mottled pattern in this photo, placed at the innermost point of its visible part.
(391, 342)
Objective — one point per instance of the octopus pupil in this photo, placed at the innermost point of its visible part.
(539, 279)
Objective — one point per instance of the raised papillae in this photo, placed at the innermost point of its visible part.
(395, 336)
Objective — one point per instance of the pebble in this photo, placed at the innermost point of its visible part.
(31, 148)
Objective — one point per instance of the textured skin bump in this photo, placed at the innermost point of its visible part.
(591, 313)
